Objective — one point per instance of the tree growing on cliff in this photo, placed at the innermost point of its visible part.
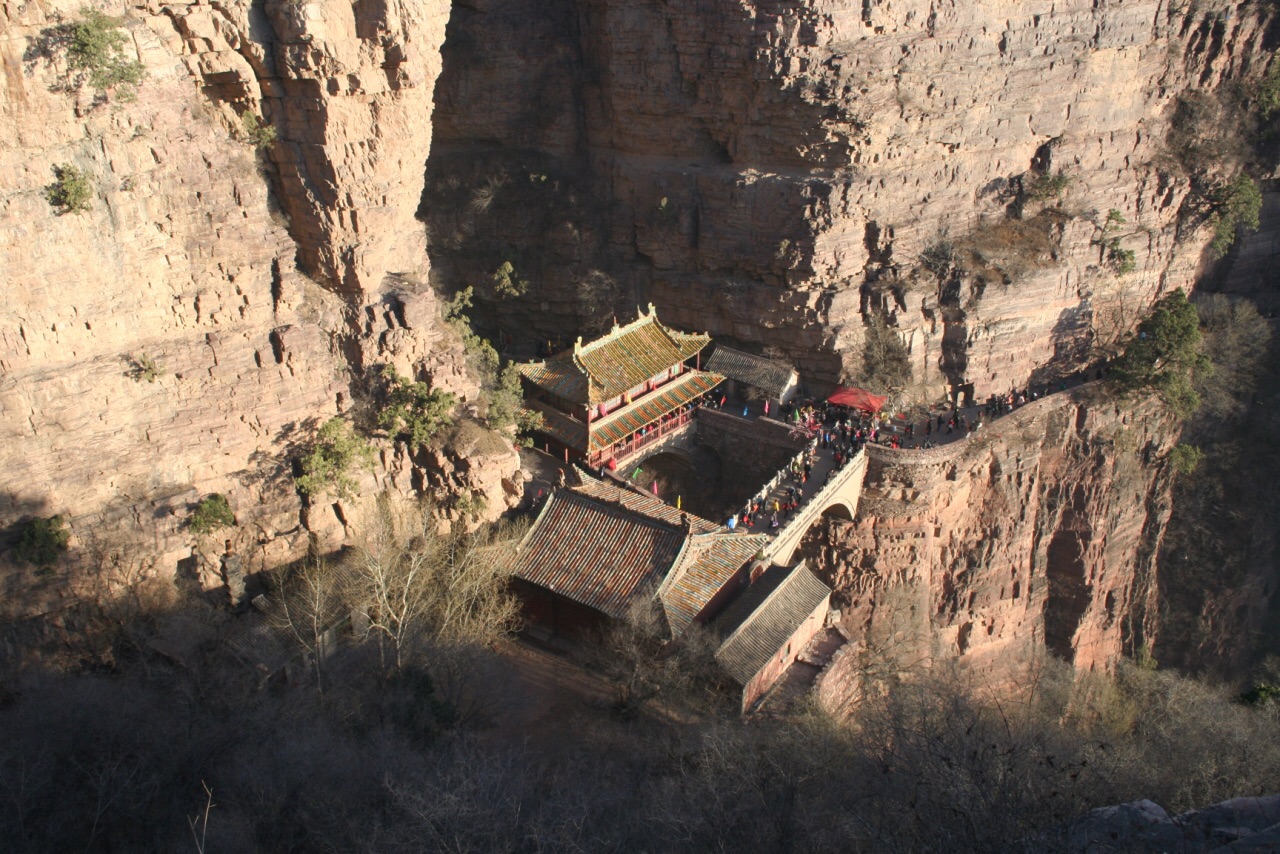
(1165, 355)
(71, 190)
(259, 133)
(885, 362)
(212, 513)
(327, 466)
(42, 541)
(97, 54)
(413, 409)
(1236, 205)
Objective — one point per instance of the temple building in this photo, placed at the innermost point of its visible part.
(751, 376)
(604, 399)
(596, 548)
(769, 626)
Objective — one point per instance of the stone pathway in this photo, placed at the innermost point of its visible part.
(973, 414)
(823, 463)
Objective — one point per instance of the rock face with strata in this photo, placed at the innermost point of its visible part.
(348, 89)
(187, 261)
(778, 174)
(1038, 531)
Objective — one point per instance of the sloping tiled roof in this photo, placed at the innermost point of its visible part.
(645, 505)
(559, 426)
(768, 612)
(558, 375)
(618, 362)
(708, 562)
(765, 374)
(595, 553)
(621, 424)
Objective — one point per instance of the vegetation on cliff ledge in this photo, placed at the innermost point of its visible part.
(71, 190)
(42, 541)
(327, 466)
(97, 53)
(413, 410)
(212, 513)
(1165, 355)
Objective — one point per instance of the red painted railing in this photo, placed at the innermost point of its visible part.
(638, 441)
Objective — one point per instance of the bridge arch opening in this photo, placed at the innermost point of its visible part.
(693, 476)
(817, 536)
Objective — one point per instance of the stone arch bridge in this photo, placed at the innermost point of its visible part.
(763, 449)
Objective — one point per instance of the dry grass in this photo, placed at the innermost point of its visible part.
(1008, 248)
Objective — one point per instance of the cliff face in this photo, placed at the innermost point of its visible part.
(1039, 531)
(785, 175)
(187, 258)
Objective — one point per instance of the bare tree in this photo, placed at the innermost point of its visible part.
(311, 604)
(419, 585)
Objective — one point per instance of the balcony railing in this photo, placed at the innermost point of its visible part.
(639, 441)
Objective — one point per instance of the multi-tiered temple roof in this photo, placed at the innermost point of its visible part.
(611, 366)
(598, 395)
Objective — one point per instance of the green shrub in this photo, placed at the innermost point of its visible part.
(1165, 354)
(143, 368)
(470, 504)
(1122, 260)
(505, 400)
(211, 514)
(72, 190)
(1268, 96)
(258, 132)
(481, 356)
(1046, 187)
(96, 48)
(1236, 205)
(506, 284)
(1186, 458)
(1261, 694)
(413, 409)
(327, 466)
(42, 540)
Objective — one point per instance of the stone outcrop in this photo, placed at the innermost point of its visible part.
(1237, 825)
(348, 89)
(187, 262)
(784, 175)
(1040, 530)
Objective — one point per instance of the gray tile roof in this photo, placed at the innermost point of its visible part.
(769, 376)
(597, 553)
(707, 564)
(646, 505)
(600, 544)
(768, 612)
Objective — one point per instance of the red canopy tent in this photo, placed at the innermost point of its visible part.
(857, 398)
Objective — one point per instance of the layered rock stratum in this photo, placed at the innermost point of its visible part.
(1039, 531)
(785, 176)
(262, 285)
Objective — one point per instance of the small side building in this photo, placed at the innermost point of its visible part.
(776, 382)
(766, 629)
